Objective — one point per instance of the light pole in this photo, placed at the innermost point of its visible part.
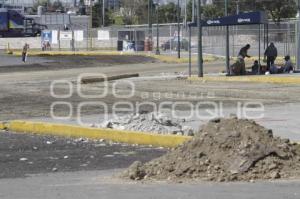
(157, 29)
(90, 26)
(103, 13)
(238, 7)
(227, 41)
(298, 37)
(178, 31)
(200, 55)
(193, 11)
(150, 20)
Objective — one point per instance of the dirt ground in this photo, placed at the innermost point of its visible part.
(25, 94)
(25, 89)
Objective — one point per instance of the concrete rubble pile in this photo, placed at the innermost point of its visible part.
(224, 150)
(149, 122)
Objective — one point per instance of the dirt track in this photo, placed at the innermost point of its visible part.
(25, 94)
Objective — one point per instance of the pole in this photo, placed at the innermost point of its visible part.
(200, 55)
(157, 31)
(185, 14)
(150, 19)
(298, 36)
(193, 12)
(259, 43)
(227, 41)
(103, 13)
(178, 31)
(190, 51)
(90, 27)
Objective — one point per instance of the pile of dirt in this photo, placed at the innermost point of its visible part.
(225, 150)
(158, 123)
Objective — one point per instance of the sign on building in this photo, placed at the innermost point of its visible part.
(78, 35)
(65, 35)
(54, 37)
(47, 36)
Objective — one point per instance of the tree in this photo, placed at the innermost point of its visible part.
(279, 9)
(134, 11)
(57, 5)
(212, 11)
(43, 3)
(97, 18)
(276, 9)
(167, 13)
(189, 8)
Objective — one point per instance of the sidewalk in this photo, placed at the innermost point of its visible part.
(277, 79)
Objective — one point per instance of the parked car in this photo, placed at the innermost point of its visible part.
(173, 44)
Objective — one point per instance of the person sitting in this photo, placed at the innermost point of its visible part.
(255, 68)
(288, 66)
(274, 69)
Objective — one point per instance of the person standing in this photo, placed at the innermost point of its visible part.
(239, 67)
(244, 52)
(271, 55)
(24, 52)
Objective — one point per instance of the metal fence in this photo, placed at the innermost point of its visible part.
(283, 35)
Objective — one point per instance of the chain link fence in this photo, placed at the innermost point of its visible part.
(283, 36)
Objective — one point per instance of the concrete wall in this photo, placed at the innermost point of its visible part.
(18, 43)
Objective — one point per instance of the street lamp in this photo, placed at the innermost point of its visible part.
(157, 28)
(200, 54)
(178, 31)
(227, 41)
(103, 13)
(150, 20)
(298, 37)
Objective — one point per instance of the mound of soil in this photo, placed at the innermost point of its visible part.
(225, 150)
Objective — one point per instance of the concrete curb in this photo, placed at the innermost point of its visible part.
(255, 79)
(95, 133)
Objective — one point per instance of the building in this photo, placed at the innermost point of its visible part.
(110, 4)
(30, 3)
(113, 4)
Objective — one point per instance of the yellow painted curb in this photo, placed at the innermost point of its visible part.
(95, 133)
(257, 79)
(2, 126)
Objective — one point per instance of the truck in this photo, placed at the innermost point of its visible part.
(15, 24)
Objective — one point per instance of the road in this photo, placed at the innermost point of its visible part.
(23, 154)
(101, 184)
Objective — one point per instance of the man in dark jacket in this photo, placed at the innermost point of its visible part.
(239, 68)
(244, 51)
(271, 54)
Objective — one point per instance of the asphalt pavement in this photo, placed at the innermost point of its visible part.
(25, 154)
(105, 185)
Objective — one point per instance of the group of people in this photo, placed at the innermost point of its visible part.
(271, 53)
(46, 46)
